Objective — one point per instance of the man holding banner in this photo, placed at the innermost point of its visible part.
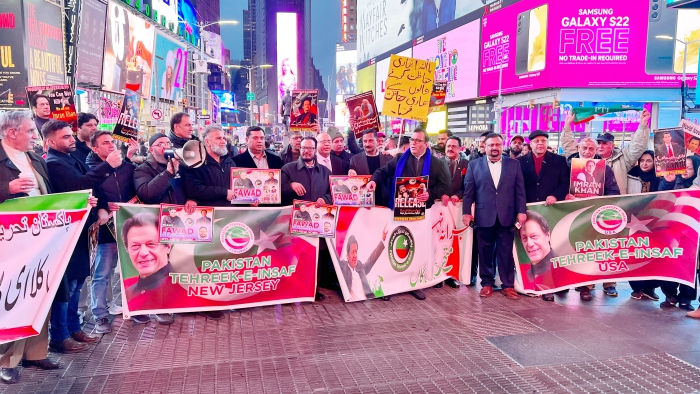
(495, 184)
(418, 162)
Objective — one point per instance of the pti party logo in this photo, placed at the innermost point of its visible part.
(401, 248)
(609, 219)
(237, 238)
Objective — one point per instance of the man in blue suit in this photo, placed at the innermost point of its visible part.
(495, 184)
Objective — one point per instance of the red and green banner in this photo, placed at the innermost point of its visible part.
(37, 238)
(376, 256)
(608, 239)
(253, 261)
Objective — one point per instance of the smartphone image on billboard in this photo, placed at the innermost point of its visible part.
(662, 22)
(531, 40)
(687, 30)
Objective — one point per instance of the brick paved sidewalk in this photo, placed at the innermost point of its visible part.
(453, 342)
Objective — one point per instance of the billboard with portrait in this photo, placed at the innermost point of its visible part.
(43, 50)
(13, 74)
(128, 56)
(454, 54)
(286, 53)
(91, 42)
(383, 25)
(381, 77)
(171, 69)
(345, 70)
(541, 44)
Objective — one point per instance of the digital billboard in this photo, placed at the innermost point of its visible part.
(383, 25)
(128, 56)
(44, 53)
(366, 79)
(213, 47)
(188, 16)
(13, 74)
(598, 43)
(165, 9)
(170, 69)
(286, 53)
(381, 77)
(454, 54)
(91, 42)
(345, 69)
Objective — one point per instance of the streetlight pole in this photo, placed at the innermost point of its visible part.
(250, 84)
(684, 85)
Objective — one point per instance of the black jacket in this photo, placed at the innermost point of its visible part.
(68, 174)
(457, 179)
(179, 142)
(82, 150)
(210, 183)
(438, 182)
(155, 185)
(287, 154)
(245, 160)
(119, 187)
(315, 181)
(9, 172)
(553, 179)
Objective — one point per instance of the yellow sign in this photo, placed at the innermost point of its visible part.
(408, 88)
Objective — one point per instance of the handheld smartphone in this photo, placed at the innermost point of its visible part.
(660, 52)
(522, 43)
(687, 29)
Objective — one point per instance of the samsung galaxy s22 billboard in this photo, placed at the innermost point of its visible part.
(593, 43)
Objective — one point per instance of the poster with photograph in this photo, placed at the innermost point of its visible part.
(176, 226)
(312, 221)
(669, 151)
(692, 137)
(587, 177)
(406, 203)
(363, 113)
(251, 185)
(127, 126)
(437, 98)
(351, 191)
(52, 102)
(304, 111)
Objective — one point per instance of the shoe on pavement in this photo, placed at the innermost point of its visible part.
(548, 297)
(319, 297)
(650, 294)
(637, 295)
(694, 314)
(165, 319)
(214, 315)
(585, 294)
(103, 326)
(486, 291)
(386, 298)
(418, 294)
(511, 294)
(668, 304)
(84, 337)
(67, 346)
(44, 364)
(115, 309)
(686, 306)
(452, 283)
(141, 319)
(611, 291)
(9, 375)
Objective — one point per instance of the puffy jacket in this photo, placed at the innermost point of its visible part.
(210, 183)
(155, 185)
(118, 187)
(621, 161)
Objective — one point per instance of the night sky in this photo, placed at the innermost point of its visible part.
(325, 30)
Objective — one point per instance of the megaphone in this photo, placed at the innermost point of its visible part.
(192, 154)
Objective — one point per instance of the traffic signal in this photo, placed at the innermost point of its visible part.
(555, 104)
(531, 105)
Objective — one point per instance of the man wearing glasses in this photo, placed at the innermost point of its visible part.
(417, 162)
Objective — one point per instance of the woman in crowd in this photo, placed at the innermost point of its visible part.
(682, 296)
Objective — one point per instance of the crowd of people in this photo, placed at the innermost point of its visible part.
(499, 183)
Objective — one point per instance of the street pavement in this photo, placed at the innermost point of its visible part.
(453, 342)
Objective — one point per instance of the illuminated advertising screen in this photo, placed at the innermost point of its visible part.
(12, 70)
(128, 57)
(598, 43)
(286, 53)
(454, 54)
(213, 47)
(171, 69)
(44, 54)
(383, 25)
(91, 42)
(165, 9)
(345, 70)
(381, 76)
(341, 115)
(225, 99)
(188, 17)
(366, 79)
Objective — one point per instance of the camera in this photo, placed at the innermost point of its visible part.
(169, 154)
